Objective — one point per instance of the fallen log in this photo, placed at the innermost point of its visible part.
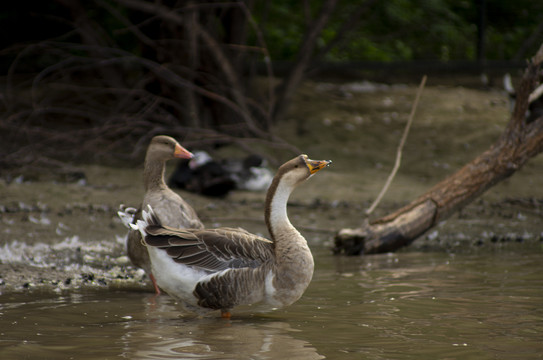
(521, 140)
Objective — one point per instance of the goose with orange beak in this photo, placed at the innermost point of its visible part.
(168, 205)
(221, 268)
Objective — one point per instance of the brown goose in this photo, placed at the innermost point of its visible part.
(220, 268)
(168, 205)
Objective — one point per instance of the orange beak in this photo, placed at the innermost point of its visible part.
(316, 165)
(182, 153)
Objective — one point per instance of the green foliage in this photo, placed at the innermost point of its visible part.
(391, 30)
(396, 30)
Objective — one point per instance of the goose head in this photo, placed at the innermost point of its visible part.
(161, 149)
(294, 172)
(288, 176)
(165, 148)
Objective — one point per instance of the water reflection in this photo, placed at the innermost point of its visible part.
(165, 334)
(137, 326)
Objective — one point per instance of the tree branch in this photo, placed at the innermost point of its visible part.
(520, 141)
(221, 59)
(400, 149)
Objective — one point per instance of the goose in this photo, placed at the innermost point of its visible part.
(218, 269)
(168, 205)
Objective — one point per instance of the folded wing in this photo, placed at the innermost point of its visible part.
(209, 249)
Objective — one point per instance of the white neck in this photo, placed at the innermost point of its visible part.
(278, 218)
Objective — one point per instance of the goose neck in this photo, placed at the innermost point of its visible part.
(276, 209)
(153, 173)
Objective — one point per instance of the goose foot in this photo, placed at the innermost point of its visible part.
(226, 314)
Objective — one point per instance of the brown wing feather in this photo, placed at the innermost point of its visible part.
(210, 249)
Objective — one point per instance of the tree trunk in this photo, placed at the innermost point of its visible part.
(521, 140)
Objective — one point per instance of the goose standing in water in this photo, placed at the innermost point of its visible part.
(218, 269)
(168, 205)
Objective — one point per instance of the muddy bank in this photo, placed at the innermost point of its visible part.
(62, 235)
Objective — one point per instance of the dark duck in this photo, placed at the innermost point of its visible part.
(204, 175)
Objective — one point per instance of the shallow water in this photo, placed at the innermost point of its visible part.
(410, 305)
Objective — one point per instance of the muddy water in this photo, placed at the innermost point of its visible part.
(403, 306)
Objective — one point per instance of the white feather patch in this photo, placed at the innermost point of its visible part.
(270, 289)
(176, 279)
(126, 214)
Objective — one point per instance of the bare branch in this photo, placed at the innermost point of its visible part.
(400, 149)
(536, 94)
(221, 59)
(520, 141)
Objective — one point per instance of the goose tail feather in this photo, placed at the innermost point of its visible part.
(126, 214)
(149, 220)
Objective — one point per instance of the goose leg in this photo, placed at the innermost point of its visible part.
(157, 290)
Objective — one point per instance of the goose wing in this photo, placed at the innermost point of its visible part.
(208, 249)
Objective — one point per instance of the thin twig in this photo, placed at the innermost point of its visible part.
(400, 148)
(536, 94)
